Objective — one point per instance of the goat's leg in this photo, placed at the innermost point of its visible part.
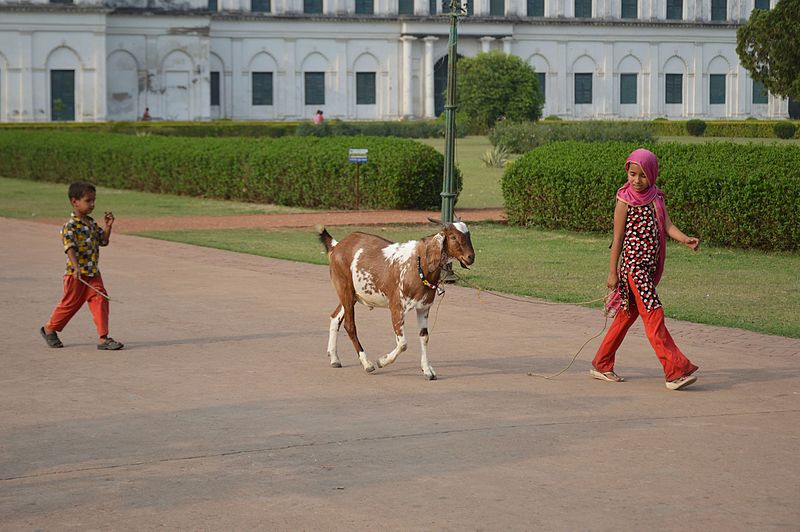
(422, 321)
(398, 321)
(350, 327)
(336, 322)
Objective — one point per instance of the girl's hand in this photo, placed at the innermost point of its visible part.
(109, 219)
(692, 243)
(612, 281)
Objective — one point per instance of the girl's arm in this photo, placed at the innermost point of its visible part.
(676, 234)
(620, 213)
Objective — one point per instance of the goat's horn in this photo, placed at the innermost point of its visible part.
(437, 222)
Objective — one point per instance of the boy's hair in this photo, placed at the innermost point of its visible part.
(79, 189)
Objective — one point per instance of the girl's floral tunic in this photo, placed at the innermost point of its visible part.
(640, 256)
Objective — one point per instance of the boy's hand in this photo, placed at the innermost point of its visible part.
(76, 274)
(692, 243)
(109, 219)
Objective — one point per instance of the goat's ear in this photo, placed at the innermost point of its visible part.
(437, 222)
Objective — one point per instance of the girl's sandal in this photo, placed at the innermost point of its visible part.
(609, 376)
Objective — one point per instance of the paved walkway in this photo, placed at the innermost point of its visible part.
(223, 414)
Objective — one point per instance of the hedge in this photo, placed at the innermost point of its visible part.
(294, 171)
(227, 128)
(520, 137)
(729, 194)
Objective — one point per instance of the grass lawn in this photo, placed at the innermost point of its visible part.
(744, 289)
(481, 184)
(21, 198)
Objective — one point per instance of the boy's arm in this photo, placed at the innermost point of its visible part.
(620, 212)
(73, 259)
(109, 221)
(676, 234)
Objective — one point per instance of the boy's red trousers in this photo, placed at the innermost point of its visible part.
(75, 295)
(676, 365)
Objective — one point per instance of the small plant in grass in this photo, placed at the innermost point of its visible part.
(696, 128)
(140, 133)
(497, 157)
(553, 117)
(784, 129)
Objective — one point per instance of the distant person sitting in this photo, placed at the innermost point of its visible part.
(146, 115)
(318, 118)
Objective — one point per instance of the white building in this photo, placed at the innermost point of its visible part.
(98, 60)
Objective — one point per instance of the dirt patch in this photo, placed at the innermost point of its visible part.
(306, 219)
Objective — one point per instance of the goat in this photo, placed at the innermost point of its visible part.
(376, 272)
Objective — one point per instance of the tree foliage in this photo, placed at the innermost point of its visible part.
(493, 85)
(769, 47)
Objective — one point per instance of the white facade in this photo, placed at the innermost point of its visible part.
(115, 58)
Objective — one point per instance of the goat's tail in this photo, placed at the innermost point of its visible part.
(326, 238)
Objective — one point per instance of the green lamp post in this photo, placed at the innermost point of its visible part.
(448, 184)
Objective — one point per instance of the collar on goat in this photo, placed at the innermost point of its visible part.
(439, 289)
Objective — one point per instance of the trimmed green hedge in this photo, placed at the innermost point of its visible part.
(730, 194)
(294, 171)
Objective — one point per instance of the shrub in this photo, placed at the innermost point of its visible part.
(522, 137)
(784, 129)
(497, 157)
(696, 128)
(553, 118)
(726, 193)
(306, 172)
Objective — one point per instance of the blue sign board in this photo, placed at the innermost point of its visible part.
(357, 155)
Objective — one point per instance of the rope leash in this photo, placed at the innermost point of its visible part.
(96, 290)
(521, 300)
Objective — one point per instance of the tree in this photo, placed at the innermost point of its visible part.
(769, 47)
(493, 84)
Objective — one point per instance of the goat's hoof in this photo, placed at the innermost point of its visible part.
(369, 369)
(430, 376)
(336, 364)
(378, 363)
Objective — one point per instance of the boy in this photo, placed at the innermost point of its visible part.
(82, 238)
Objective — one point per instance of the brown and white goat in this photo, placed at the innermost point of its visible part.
(371, 270)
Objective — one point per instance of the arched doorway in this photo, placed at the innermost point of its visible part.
(794, 109)
(440, 84)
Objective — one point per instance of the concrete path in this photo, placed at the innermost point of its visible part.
(223, 414)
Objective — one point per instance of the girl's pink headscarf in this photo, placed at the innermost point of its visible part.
(648, 161)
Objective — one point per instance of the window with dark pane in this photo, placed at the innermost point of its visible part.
(674, 9)
(61, 2)
(262, 88)
(365, 88)
(315, 88)
(432, 6)
(627, 89)
(542, 78)
(365, 7)
(497, 8)
(673, 92)
(629, 9)
(760, 94)
(405, 7)
(312, 6)
(535, 8)
(583, 88)
(716, 89)
(719, 9)
(762, 4)
(212, 5)
(260, 6)
(583, 8)
(470, 7)
(62, 95)
(215, 88)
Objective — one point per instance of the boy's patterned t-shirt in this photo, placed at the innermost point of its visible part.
(85, 237)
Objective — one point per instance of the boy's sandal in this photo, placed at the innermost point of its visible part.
(110, 345)
(609, 376)
(51, 338)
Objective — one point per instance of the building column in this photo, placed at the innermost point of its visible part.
(408, 95)
(26, 88)
(486, 43)
(507, 45)
(430, 104)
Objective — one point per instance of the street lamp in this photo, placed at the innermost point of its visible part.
(448, 182)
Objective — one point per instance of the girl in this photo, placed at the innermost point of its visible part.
(641, 224)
